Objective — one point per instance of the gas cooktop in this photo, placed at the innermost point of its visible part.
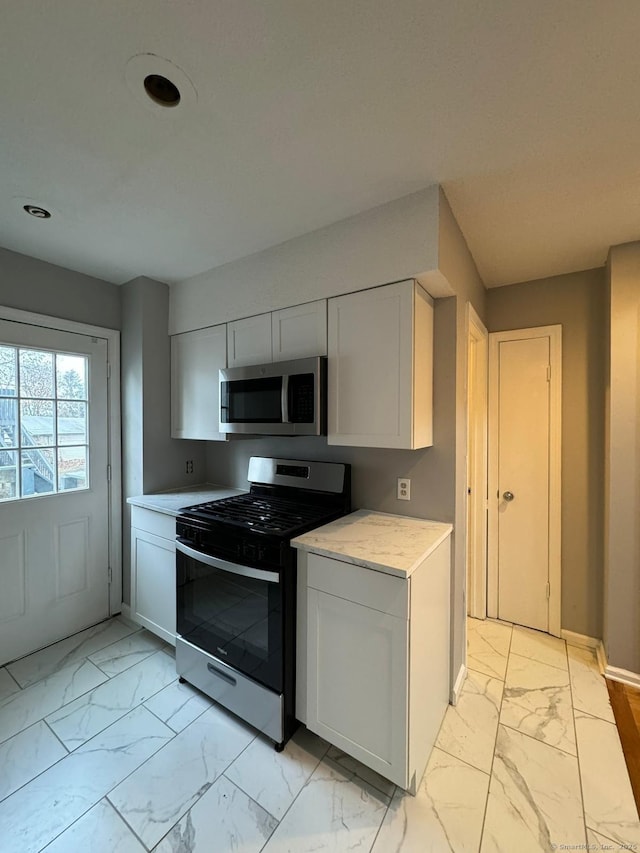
(262, 513)
(287, 497)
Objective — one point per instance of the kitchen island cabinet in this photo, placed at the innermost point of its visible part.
(373, 638)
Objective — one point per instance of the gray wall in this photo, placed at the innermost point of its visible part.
(32, 285)
(151, 459)
(578, 302)
(392, 242)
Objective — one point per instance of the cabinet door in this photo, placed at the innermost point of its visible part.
(370, 375)
(153, 583)
(300, 331)
(196, 358)
(357, 682)
(249, 341)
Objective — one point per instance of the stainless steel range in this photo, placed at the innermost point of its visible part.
(236, 587)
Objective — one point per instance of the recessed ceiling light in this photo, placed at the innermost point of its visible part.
(158, 84)
(161, 90)
(38, 212)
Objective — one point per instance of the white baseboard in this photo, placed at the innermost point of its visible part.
(582, 641)
(125, 615)
(457, 687)
(615, 673)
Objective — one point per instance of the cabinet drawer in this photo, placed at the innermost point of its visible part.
(158, 523)
(362, 586)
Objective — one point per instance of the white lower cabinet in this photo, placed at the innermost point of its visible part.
(153, 572)
(358, 686)
(377, 661)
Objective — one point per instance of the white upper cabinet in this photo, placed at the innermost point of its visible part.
(249, 341)
(196, 358)
(295, 332)
(380, 377)
(300, 331)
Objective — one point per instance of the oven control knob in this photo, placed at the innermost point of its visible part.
(249, 550)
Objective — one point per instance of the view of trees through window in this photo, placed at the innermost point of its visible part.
(43, 422)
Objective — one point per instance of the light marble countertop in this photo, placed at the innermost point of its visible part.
(172, 501)
(394, 544)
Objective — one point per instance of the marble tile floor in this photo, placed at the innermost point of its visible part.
(102, 749)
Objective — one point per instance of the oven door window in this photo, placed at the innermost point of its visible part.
(236, 619)
(252, 401)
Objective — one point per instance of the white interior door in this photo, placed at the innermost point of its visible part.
(524, 497)
(54, 490)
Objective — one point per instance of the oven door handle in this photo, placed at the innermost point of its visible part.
(225, 566)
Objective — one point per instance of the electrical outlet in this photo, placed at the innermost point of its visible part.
(404, 489)
(188, 466)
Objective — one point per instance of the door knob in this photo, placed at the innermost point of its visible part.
(508, 496)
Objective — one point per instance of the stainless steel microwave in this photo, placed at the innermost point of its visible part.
(282, 398)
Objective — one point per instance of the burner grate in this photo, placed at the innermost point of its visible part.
(263, 514)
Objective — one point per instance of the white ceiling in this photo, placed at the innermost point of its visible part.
(308, 111)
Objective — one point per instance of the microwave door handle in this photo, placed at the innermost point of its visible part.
(284, 399)
(225, 566)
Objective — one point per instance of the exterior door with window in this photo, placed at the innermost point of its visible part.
(54, 490)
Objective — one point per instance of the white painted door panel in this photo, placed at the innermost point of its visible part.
(300, 332)
(153, 579)
(371, 367)
(358, 661)
(196, 358)
(523, 465)
(249, 341)
(54, 549)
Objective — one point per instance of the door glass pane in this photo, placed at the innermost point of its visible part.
(36, 373)
(38, 471)
(8, 371)
(38, 424)
(44, 414)
(71, 377)
(8, 422)
(8, 474)
(72, 422)
(72, 468)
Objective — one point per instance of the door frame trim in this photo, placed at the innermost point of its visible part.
(112, 337)
(554, 333)
(476, 474)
